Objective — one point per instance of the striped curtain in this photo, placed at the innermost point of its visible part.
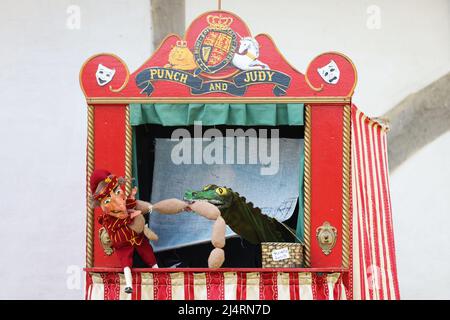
(218, 286)
(374, 263)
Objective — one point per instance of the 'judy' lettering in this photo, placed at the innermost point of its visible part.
(258, 76)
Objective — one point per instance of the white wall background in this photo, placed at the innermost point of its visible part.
(43, 116)
(43, 129)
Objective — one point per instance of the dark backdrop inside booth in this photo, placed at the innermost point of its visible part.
(239, 253)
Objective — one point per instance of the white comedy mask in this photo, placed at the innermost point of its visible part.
(104, 75)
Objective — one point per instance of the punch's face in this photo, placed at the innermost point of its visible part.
(104, 75)
(330, 73)
(114, 204)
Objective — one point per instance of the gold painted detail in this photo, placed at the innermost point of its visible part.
(219, 22)
(307, 187)
(333, 277)
(317, 89)
(184, 100)
(305, 278)
(326, 235)
(105, 240)
(128, 149)
(346, 167)
(181, 58)
(89, 170)
(127, 78)
(251, 56)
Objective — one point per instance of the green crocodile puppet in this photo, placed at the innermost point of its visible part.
(241, 216)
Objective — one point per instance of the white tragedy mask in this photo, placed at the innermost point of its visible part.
(330, 73)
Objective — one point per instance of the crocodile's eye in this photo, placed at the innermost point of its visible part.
(221, 191)
(206, 187)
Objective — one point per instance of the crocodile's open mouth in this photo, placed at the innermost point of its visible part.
(215, 202)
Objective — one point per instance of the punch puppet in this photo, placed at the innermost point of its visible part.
(123, 222)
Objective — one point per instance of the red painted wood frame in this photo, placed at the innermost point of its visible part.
(326, 177)
(327, 122)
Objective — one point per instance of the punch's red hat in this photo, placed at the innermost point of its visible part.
(98, 176)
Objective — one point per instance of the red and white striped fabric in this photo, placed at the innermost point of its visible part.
(218, 286)
(374, 263)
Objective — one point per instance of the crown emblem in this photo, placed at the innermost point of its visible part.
(182, 43)
(219, 22)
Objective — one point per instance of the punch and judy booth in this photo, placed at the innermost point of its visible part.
(326, 178)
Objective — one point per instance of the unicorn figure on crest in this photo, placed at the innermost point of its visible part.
(247, 56)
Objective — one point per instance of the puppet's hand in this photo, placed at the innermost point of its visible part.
(150, 234)
(134, 213)
(144, 206)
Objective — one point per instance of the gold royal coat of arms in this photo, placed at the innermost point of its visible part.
(215, 46)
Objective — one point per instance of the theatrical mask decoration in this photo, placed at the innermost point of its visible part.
(330, 73)
(104, 75)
